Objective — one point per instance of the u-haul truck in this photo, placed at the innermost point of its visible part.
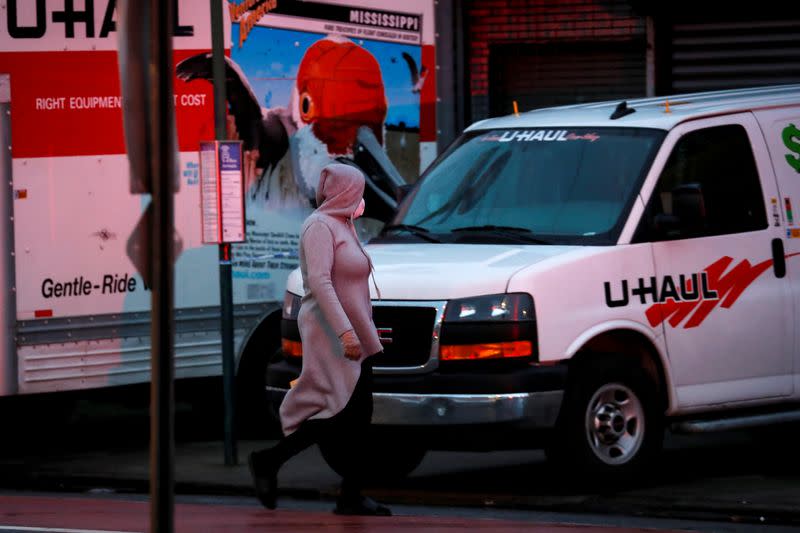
(592, 274)
(74, 310)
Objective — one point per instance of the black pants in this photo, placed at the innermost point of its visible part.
(341, 437)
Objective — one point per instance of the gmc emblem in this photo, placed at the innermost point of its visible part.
(385, 335)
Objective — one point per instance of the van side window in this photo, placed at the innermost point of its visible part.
(709, 186)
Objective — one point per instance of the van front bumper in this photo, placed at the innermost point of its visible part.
(532, 409)
(528, 398)
(535, 410)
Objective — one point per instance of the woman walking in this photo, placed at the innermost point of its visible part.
(331, 402)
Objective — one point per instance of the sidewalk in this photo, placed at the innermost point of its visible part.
(200, 469)
(23, 514)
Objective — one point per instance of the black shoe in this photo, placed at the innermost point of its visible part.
(266, 485)
(363, 506)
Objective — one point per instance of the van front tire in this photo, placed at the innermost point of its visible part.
(610, 427)
(386, 455)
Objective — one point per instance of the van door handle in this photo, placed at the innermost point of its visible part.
(778, 258)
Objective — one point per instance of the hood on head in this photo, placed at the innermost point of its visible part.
(340, 190)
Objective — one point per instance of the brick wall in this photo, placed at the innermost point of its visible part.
(538, 21)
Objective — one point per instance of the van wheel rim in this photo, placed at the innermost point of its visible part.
(615, 424)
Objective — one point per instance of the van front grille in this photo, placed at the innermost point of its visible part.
(406, 333)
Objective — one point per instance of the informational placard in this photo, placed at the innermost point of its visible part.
(209, 192)
(222, 192)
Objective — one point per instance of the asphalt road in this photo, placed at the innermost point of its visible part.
(748, 470)
(61, 513)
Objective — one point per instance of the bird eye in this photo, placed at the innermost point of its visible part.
(306, 107)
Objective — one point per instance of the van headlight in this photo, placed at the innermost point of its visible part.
(496, 326)
(491, 308)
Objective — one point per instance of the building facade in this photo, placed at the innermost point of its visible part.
(540, 53)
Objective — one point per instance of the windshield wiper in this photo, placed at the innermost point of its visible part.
(419, 231)
(521, 233)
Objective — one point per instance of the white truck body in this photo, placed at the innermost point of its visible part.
(75, 310)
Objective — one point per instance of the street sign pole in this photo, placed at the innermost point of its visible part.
(146, 74)
(162, 447)
(228, 366)
(225, 274)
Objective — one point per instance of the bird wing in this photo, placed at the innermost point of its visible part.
(412, 66)
(257, 131)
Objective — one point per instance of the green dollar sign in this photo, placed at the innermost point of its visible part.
(791, 138)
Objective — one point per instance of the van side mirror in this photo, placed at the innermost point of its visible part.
(688, 212)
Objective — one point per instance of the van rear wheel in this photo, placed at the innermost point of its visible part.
(611, 425)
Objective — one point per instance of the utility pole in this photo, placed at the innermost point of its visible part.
(147, 74)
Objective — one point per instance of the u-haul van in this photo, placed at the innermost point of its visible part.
(74, 310)
(594, 273)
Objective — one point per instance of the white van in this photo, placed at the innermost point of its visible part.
(599, 271)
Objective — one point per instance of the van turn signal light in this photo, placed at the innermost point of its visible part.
(292, 348)
(489, 350)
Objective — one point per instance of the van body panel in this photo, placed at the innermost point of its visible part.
(445, 271)
(780, 129)
(702, 261)
(744, 339)
(574, 296)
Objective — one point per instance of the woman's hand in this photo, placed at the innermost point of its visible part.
(352, 348)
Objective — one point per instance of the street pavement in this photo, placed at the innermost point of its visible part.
(443, 479)
(26, 513)
(736, 478)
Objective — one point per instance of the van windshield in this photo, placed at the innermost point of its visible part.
(550, 186)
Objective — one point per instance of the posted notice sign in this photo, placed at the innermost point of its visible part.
(222, 191)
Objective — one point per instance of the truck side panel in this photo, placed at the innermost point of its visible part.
(70, 264)
(8, 359)
(82, 309)
(82, 312)
(114, 349)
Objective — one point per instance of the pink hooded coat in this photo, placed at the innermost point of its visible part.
(335, 271)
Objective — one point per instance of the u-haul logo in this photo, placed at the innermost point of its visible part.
(540, 135)
(690, 298)
(90, 25)
(51, 19)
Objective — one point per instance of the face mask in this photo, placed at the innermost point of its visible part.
(360, 209)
